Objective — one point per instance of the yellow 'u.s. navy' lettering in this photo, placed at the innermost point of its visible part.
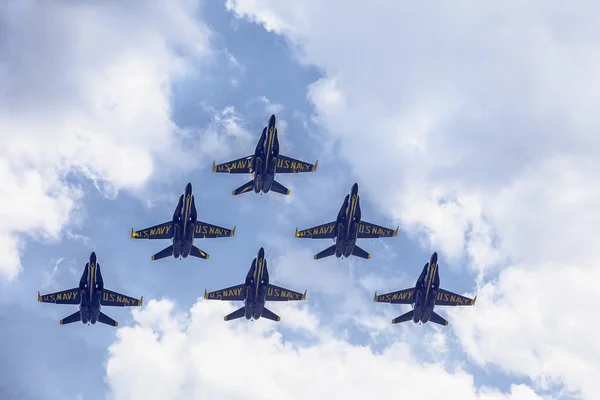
(293, 165)
(283, 294)
(226, 293)
(211, 230)
(403, 295)
(325, 230)
(61, 296)
(452, 298)
(161, 230)
(240, 164)
(119, 299)
(369, 229)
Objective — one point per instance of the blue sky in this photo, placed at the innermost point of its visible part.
(454, 122)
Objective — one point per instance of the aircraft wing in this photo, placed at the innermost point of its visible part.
(232, 293)
(405, 296)
(239, 166)
(288, 165)
(69, 296)
(276, 293)
(325, 231)
(205, 230)
(114, 299)
(161, 231)
(367, 230)
(446, 298)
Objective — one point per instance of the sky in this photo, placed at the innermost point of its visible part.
(472, 126)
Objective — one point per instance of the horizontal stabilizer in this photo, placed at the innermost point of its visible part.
(404, 317)
(358, 252)
(196, 252)
(239, 313)
(268, 314)
(245, 188)
(75, 317)
(279, 188)
(326, 253)
(435, 318)
(163, 253)
(105, 319)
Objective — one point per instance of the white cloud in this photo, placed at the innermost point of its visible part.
(199, 356)
(85, 89)
(475, 126)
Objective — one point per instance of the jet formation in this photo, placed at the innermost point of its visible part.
(257, 290)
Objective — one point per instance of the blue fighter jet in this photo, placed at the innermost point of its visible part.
(255, 292)
(424, 297)
(182, 230)
(344, 231)
(265, 164)
(90, 295)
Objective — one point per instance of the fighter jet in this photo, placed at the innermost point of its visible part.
(264, 164)
(255, 292)
(346, 229)
(182, 230)
(424, 297)
(90, 295)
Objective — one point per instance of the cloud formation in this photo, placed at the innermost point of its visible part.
(483, 117)
(85, 92)
(197, 356)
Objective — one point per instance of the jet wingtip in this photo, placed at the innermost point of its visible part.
(233, 230)
(375, 297)
(368, 256)
(116, 324)
(297, 233)
(141, 301)
(205, 294)
(152, 258)
(278, 319)
(304, 295)
(315, 256)
(474, 300)
(314, 168)
(39, 297)
(214, 167)
(131, 235)
(396, 231)
(61, 322)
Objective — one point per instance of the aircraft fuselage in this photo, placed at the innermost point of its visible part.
(184, 224)
(257, 283)
(348, 222)
(426, 291)
(89, 303)
(264, 162)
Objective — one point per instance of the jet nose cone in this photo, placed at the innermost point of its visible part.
(433, 258)
(272, 120)
(355, 188)
(188, 188)
(93, 258)
(261, 253)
